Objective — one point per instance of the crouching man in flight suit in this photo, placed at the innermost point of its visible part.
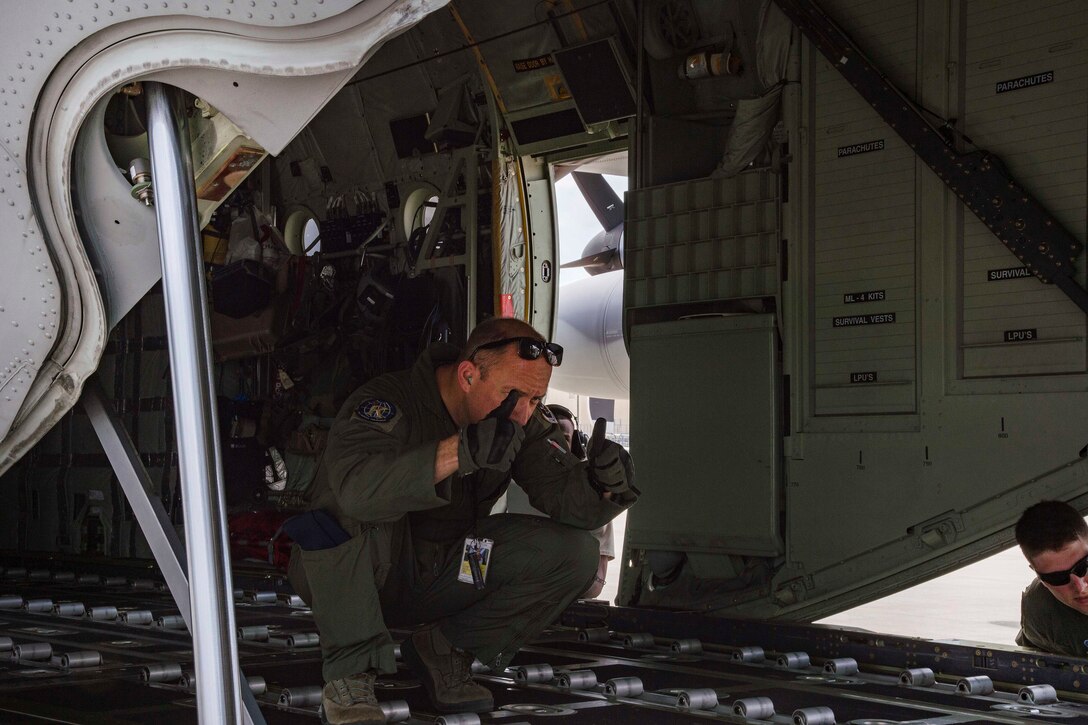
(414, 463)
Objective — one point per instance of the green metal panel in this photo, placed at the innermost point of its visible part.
(706, 488)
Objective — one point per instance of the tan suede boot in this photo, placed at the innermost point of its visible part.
(445, 672)
(351, 701)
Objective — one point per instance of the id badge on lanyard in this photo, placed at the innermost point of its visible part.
(475, 558)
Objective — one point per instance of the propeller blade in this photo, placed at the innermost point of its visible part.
(605, 203)
(600, 259)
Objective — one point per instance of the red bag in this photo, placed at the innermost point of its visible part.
(257, 535)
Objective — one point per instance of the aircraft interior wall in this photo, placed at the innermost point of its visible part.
(873, 384)
(924, 371)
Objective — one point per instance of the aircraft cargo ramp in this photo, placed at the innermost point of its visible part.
(97, 644)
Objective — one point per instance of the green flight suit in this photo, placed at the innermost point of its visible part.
(400, 567)
(1048, 625)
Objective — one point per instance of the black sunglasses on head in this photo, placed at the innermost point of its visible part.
(529, 348)
(1061, 578)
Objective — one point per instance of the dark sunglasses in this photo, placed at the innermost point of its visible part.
(529, 348)
(1061, 578)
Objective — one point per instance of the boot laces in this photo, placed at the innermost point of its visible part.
(356, 689)
(460, 668)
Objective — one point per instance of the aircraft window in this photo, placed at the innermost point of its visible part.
(301, 232)
(311, 243)
(419, 207)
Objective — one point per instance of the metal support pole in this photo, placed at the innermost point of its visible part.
(214, 649)
(131, 474)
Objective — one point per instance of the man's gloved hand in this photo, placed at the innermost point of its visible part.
(493, 443)
(610, 466)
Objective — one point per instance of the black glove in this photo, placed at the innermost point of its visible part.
(493, 443)
(610, 466)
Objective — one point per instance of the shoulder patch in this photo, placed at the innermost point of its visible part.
(376, 410)
(547, 414)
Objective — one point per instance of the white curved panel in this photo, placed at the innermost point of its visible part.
(269, 64)
(590, 329)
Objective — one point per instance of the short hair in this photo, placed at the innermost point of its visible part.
(1049, 526)
(493, 330)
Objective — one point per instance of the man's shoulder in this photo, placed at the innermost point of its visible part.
(379, 403)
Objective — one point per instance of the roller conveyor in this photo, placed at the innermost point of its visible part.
(110, 659)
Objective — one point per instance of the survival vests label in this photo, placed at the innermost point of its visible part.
(865, 377)
(1026, 82)
(876, 295)
(852, 320)
(998, 275)
(1021, 335)
(861, 148)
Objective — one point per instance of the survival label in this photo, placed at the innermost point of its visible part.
(884, 318)
(998, 275)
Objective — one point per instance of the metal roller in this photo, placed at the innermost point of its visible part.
(170, 621)
(686, 646)
(253, 634)
(39, 575)
(395, 710)
(102, 614)
(6, 644)
(749, 654)
(32, 651)
(1038, 694)
(623, 687)
(754, 708)
(265, 597)
(169, 672)
(303, 639)
(238, 593)
(841, 666)
(292, 600)
(396, 652)
(137, 616)
(980, 685)
(527, 674)
(700, 699)
(188, 680)
(69, 609)
(577, 680)
(38, 605)
(15, 573)
(72, 660)
(814, 716)
(917, 677)
(460, 718)
(257, 684)
(89, 579)
(794, 660)
(638, 640)
(143, 584)
(115, 581)
(64, 576)
(304, 696)
(594, 634)
(11, 601)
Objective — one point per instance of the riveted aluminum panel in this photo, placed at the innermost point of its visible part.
(1026, 99)
(863, 233)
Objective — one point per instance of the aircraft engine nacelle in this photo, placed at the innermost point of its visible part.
(590, 329)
